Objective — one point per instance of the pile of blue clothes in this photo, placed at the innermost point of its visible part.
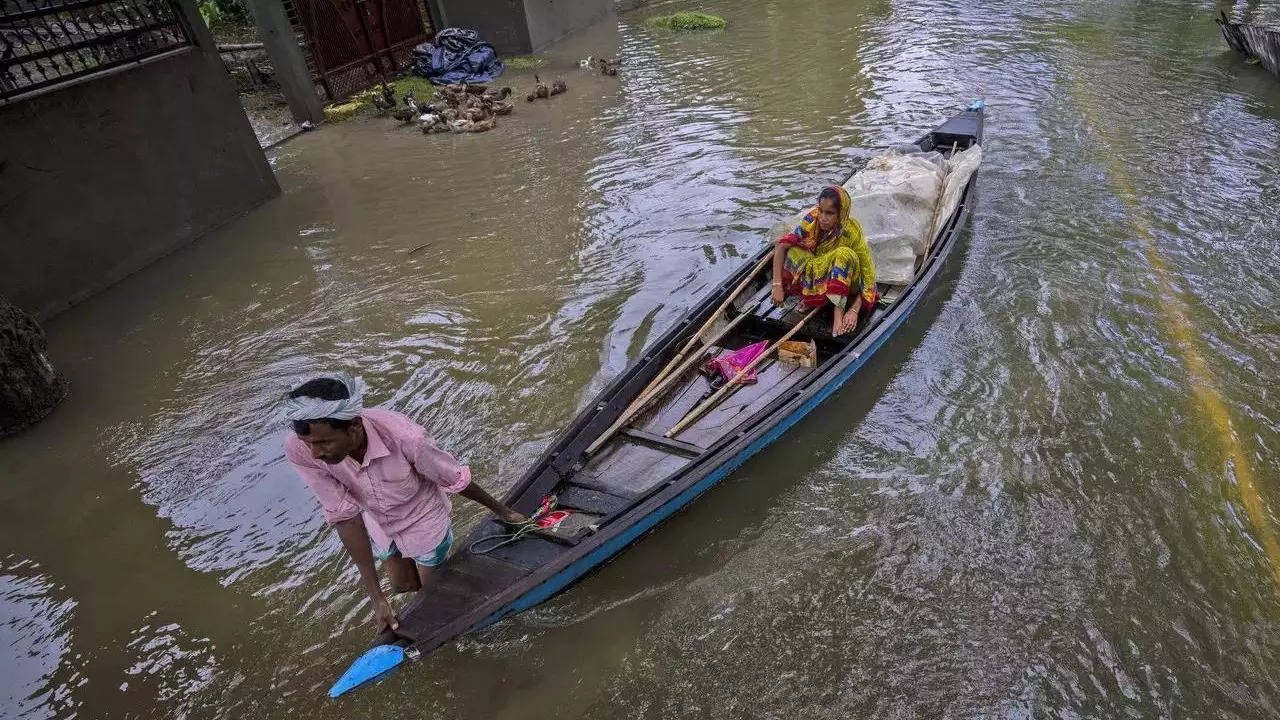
(456, 55)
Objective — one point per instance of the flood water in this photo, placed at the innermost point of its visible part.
(1048, 496)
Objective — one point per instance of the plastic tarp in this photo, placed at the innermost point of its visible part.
(456, 55)
(960, 168)
(893, 198)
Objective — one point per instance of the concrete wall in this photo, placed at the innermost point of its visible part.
(551, 20)
(518, 27)
(100, 178)
(500, 22)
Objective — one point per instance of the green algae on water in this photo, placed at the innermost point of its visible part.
(686, 21)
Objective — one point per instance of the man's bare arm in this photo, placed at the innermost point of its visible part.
(477, 494)
(356, 540)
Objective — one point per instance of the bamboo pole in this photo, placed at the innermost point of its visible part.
(937, 204)
(644, 399)
(710, 321)
(660, 382)
(697, 412)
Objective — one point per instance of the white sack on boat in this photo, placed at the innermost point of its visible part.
(893, 198)
(960, 168)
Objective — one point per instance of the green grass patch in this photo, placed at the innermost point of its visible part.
(343, 111)
(362, 103)
(525, 62)
(421, 88)
(686, 21)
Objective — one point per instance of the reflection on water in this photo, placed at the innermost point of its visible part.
(36, 642)
(1022, 510)
(168, 666)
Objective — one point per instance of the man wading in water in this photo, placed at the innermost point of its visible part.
(383, 482)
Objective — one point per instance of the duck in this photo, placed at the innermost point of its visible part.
(539, 90)
(410, 111)
(476, 114)
(558, 86)
(607, 67)
(502, 107)
(586, 62)
(434, 123)
(385, 101)
(496, 95)
(483, 125)
(451, 94)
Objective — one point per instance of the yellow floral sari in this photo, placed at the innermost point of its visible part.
(826, 268)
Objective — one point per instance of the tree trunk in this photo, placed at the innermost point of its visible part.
(29, 386)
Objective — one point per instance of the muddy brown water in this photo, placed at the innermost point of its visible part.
(1049, 496)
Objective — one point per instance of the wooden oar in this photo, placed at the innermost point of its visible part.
(710, 321)
(697, 412)
(643, 401)
(662, 380)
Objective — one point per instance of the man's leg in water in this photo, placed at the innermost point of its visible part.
(404, 578)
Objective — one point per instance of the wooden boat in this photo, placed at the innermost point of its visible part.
(619, 485)
(1256, 43)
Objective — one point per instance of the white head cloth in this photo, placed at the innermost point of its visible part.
(309, 408)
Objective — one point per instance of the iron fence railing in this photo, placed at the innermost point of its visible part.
(46, 42)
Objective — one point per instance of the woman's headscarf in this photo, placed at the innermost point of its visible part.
(808, 234)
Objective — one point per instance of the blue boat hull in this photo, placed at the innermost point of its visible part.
(476, 590)
(860, 356)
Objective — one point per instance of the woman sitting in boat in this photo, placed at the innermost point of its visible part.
(826, 259)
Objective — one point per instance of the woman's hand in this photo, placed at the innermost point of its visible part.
(779, 260)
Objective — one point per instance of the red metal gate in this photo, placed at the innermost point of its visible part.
(354, 43)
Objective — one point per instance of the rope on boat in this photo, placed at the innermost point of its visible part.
(480, 548)
(487, 544)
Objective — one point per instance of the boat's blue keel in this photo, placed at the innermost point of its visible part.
(375, 663)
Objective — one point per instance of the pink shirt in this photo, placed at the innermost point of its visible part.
(401, 487)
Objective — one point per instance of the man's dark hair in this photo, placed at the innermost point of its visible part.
(324, 389)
